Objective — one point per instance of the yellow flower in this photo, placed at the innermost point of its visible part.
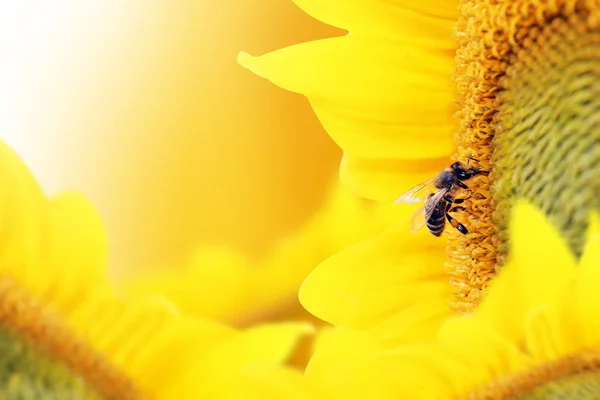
(65, 333)
(536, 335)
(525, 98)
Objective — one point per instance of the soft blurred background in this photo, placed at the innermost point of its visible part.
(142, 106)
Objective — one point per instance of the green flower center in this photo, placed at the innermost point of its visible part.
(576, 377)
(547, 145)
(42, 358)
(584, 386)
(28, 373)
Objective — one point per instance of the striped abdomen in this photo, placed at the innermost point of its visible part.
(437, 221)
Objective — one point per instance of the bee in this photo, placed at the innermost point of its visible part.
(439, 196)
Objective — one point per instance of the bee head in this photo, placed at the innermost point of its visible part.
(446, 179)
(461, 173)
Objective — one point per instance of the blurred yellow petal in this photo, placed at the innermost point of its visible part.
(220, 284)
(264, 382)
(44, 239)
(236, 361)
(264, 344)
(75, 338)
(214, 273)
(344, 367)
(468, 339)
(77, 249)
(79, 233)
(542, 338)
(418, 368)
(266, 291)
(23, 213)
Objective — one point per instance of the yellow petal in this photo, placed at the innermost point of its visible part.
(172, 345)
(586, 295)
(564, 318)
(264, 344)
(418, 21)
(387, 179)
(419, 370)
(538, 254)
(76, 249)
(212, 273)
(264, 382)
(249, 351)
(531, 237)
(418, 322)
(480, 348)
(367, 282)
(375, 97)
(23, 209)
(544, 341)
(344, 365)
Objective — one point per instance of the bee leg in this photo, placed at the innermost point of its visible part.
(465, 188)
(458, 208)
(452, 200)
(471, 159)
(457, 225)
(462, 185)
(475, 170)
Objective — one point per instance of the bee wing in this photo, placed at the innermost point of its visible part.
(417, 221)
(433, 202)
(418, 193)
(420, 217)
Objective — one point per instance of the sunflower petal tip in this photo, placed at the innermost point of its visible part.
(523, 207)
(304, 294)
(250, 63)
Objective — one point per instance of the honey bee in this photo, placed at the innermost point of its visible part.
(439, 196)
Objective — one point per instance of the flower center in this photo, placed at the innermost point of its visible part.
(527, 75)
(546, 148)
(572, 377)
(42, 358)
(27, 372)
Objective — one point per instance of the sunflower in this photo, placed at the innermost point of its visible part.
(521, 78)
(65, 334)
(535, 336)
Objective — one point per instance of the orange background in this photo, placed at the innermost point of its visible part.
(142, 106)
